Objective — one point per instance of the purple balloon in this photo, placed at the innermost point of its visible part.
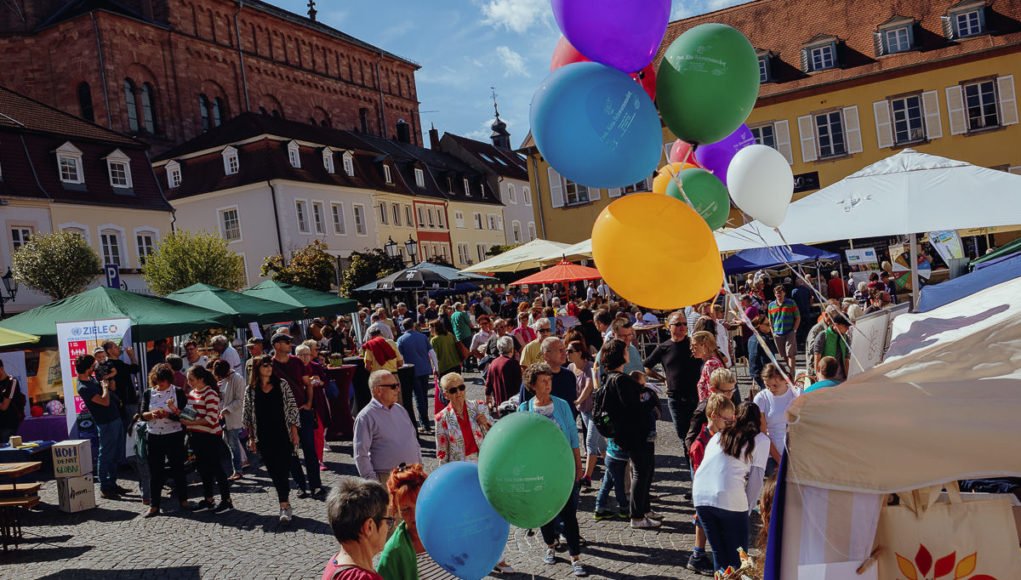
(716, 157)
(623, 34)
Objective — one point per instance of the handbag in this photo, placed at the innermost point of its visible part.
(934, 535)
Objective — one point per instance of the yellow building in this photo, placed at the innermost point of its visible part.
(395, 219)
(854, 83)
(475, 227)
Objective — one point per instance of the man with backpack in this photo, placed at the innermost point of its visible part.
(12, 405)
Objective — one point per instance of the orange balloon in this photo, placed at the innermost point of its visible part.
(656, 252)
(666, 175)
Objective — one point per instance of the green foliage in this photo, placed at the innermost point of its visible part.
(367, 267)
(311, 267)
(497, 250)
(184, 258)
(59, 265)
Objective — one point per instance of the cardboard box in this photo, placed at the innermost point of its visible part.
(76, 493)
(72, 458)
(1017, 521)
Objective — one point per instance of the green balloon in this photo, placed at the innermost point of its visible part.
(708, 195)
(707, 83)
(526, 469)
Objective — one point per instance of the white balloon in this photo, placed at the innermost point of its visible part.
(761, 183)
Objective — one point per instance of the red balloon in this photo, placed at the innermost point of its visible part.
(565, 54)
(680, 152)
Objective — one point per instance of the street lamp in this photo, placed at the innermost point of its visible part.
(412, 247)
(10, 285)
(390, 247)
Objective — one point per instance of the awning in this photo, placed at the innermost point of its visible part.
(525, 257)
(242, 307)
(760, 258)
(314, 302)
(12, 339)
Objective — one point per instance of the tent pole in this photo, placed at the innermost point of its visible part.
(913, 247)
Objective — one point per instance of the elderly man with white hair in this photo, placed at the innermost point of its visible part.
(221, 345)
(531, 353)
(384, 434)
(565, 383)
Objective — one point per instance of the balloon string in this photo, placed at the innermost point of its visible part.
(676, 177)
(741, 314)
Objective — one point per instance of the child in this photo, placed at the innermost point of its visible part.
(722, 381)
(720, 411)
(773, 402)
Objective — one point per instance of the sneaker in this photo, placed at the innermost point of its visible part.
(645, 524)
(701, 563)
(624, 515)
(654, 516)
(223, 507)
(578, 569)
(285, 515)
(605, 515)
(551, 557)
(322, 467)
(151, 513)
(504, 568)
(303, 494)
(203, 506)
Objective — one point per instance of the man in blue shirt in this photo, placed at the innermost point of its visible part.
(415, 349)
(104, 406)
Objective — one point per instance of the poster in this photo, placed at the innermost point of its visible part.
(14, 365)
(861, 256)
(77, 338)
(900, 256)
(947, 244)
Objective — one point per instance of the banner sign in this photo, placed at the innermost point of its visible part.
(947, 244)
(861, 256)
(77, 338)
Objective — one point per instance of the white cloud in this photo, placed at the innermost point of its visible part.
(513, 62)
(515, 15)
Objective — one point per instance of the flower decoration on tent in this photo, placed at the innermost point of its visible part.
(946, 567)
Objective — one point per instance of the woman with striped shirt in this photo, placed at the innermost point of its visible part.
(206, 438)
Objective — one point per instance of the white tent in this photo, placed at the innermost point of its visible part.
(524, 257)
(907, 193)
(581, 250)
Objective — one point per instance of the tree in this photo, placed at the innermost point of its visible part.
(311, 267)
(497, 250)
(184, 258)
(59, 265)
(368, 267)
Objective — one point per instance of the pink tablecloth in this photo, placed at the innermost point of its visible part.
(341, 424)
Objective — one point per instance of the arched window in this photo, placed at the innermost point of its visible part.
(218, 112)
(85, 102)
(204, 112)
(131, 105)
(148, 109)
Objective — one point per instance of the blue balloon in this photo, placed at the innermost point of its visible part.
(596, 126)
(459, 529)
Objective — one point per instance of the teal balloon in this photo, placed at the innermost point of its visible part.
(707, 83)
(526, 468)
(708, 196)
(596, 126)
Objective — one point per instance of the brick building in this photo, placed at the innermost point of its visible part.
(168, 70)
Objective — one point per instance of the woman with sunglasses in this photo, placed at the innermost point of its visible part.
(461, 425)
(271, 417)
(356, 510)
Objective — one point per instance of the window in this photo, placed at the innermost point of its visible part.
(419, 177)
(131, 105)
(516, 232)
(897, 39)
(359, 220)
(439, 218)
(512, 194)
(822, 57)
(148, 114)
(463, 253)
(386, 174)
(144, 242)
(294, 155)
(396, 211)
(110, 241)
(204, 112)
(531, 231)
(642, 185)
(339, 227)
(459, 219)
(80, 232)
(421, 217)
(69, 162)
(328, 160)
(526, 195)
(478, 221)
(408, 220)
(432, 224)
(317, 217)
(231, 165)
(467, 187)
(576, 193)
(968, 23)
(117, 164)
(174, 177)
(85, 107)
(349, 165)
(907, 120)
(20, 235)
(382, 213)
(301, 212)
(980, 103)
(230, 224)
(481, 250)
(830, 132)
(764, 68)
(492, 221)
(764, 135)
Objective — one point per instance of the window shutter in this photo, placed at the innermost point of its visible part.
(807, 134)
(877, 43)
(955, 108)
(782, 132)
(804, 60)
(948, 27)
(613, 192)
(933, 120)
(1008, 103)
(852, 130)
(556, 187)
(594, 194)
(884, 126)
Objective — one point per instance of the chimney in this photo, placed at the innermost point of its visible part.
(434, 138)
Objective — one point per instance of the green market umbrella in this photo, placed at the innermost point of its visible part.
(314, 302)
(242, 307)
(151, 317)
(13, 339)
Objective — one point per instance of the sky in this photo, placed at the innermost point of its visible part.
(467, 49)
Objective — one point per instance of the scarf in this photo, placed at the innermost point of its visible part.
(381, 350)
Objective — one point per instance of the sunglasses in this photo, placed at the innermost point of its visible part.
(393, 386)
(456, 389)
(678, 324)
(266, 364)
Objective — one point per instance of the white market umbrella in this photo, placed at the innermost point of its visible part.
(580, 251)
(524, 257)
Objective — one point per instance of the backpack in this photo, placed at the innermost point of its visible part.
(601, 411)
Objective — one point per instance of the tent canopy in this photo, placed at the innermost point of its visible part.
(426, 276)
(524, 257)
(581, 250)
(242, 307)
(453, 274)
(759, 258)
(562, 272)
(1004, 252)
(151, 317)
(909, 192)
(314, 302)
(13, 339)
(942, 407)
(936, 295)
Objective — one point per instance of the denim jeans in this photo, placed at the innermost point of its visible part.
(595, 444)
(613, 477)
(726, 531)
(111, 448)
(233, 439)
(421, 391)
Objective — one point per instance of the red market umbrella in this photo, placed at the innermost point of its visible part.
(561, 273)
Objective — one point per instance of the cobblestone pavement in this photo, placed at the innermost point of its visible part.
(113, 541)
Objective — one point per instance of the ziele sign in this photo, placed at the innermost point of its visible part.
(806, 182)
